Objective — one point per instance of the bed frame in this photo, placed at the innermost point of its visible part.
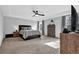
(29, 37)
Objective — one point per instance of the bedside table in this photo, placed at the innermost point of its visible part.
(16, 34)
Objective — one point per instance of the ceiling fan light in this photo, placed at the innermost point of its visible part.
(36, 15)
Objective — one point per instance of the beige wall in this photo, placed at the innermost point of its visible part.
(11, 23)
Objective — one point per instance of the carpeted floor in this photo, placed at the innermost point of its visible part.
(16, 45)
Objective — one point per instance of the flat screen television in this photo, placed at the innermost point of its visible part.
(74, 18)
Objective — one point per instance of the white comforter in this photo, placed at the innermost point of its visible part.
(27, 33)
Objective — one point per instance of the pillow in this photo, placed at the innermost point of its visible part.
(22, 28)
(25, 28)
(28, 28)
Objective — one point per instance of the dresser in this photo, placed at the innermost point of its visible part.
(51, 30)
(69, 43)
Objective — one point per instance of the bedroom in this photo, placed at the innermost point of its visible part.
(24, 17)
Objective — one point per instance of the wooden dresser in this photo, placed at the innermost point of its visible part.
(69, 43)
(51, 30)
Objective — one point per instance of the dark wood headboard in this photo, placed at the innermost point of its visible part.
(20, 26)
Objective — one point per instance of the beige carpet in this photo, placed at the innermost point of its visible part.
(34, 46)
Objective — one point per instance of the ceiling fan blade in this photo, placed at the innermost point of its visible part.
(34, 11)
(41, 14)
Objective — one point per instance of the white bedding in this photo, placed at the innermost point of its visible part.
(27, 33)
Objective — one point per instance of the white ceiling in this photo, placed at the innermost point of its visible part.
(25, 11)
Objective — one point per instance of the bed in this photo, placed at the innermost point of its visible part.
(26, 32)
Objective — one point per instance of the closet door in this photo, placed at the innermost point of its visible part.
(51, 30)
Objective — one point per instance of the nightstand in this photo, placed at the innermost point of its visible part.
(16, 34)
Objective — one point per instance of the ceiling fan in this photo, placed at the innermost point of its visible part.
(37, 13)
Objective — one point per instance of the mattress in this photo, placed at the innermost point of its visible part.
(27, 33)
